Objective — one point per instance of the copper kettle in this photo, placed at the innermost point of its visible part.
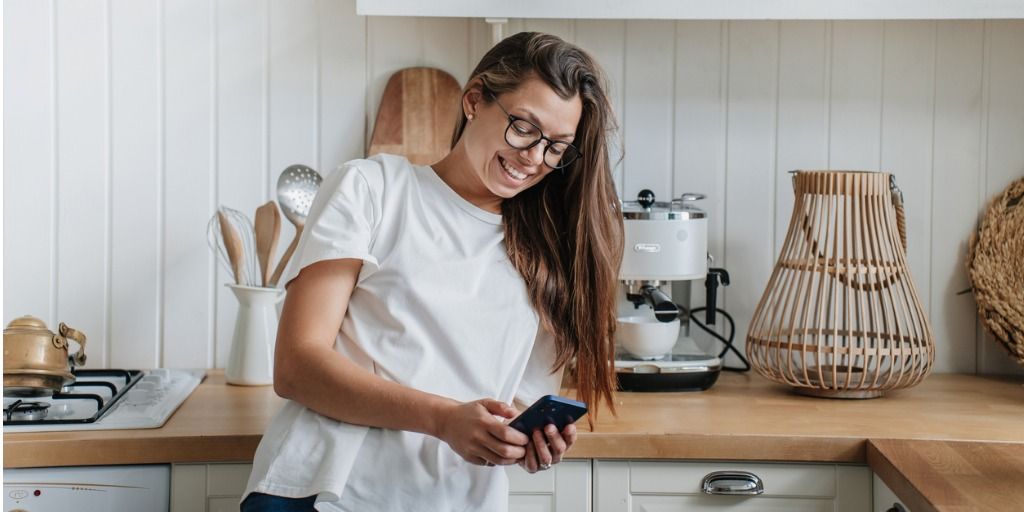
(36, 360)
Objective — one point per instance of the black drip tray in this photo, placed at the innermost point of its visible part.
(653, 382)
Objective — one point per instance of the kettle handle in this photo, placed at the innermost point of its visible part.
(67, 332)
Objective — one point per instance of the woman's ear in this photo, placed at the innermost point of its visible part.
(473, 98)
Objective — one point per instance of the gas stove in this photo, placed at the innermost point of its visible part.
(104, 400)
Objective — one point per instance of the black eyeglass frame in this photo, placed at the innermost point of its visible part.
(513, 118)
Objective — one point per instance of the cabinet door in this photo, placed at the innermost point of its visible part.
(563, 488)
(208, 487)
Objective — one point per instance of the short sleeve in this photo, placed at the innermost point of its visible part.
(342, 220)
(538, 379)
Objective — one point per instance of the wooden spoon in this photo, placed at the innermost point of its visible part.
(233, 243)
(268, 230)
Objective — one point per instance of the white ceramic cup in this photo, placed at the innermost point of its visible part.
(645, 337)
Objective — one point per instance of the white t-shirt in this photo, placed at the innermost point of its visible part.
(438, 307)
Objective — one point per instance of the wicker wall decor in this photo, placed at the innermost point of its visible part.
(995, 264)
(840, 316)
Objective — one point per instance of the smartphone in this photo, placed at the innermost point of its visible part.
(549, 409)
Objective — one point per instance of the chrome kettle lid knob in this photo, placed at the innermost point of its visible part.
(645, 198)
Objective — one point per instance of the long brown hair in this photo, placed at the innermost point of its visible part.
(564, 234)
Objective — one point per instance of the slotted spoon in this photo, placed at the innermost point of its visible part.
(296, 188)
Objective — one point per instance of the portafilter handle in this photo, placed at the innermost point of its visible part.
(665, 310)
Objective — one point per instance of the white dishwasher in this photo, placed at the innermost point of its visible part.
(93, 489)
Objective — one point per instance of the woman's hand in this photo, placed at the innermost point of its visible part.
(472, 430)
(547, 448)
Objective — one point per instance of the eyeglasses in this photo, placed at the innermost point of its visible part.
(522, 134)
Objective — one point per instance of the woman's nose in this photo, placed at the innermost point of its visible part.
(535, 154)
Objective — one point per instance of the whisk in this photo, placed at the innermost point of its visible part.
(243, 226)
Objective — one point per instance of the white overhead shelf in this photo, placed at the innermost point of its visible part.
(698, 9)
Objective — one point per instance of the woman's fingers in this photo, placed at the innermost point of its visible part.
(540, 444)
(569, 434)
(556, 444)
(530, 459)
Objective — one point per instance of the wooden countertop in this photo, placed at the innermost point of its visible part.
(912, 432)
(955, 476)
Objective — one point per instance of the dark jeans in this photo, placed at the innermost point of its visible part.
(259, 502)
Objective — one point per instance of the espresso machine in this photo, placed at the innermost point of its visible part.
(665, 252)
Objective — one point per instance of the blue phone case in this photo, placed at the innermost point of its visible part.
(549, 409)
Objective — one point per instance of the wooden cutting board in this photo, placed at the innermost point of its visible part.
(416, 115)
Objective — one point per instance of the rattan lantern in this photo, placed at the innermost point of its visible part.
(840, 316)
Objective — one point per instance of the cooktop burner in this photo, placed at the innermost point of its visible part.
(104, 399)
(27, 411)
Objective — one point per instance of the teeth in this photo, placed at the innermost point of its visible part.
(512, 172)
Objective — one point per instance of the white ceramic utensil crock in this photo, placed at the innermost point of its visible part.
(251, 362)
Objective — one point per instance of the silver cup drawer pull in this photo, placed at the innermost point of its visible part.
(732, 483)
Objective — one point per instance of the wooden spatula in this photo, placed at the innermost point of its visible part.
(233, 244)
(268, 230)
(416, 116)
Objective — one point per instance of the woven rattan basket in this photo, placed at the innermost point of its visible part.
(995, 264)
(840, 316)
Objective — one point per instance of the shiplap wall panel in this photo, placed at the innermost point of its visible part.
(561, 28)
(478, 41)
(136, 175)
(207, 97)
(603, 39)
(908, 102)
(750, 166)
(855, 97)
(189, 186)
(647, 119)
(1004, 144)
(444, 47)
(699, 139)
(342, 113)
(242, 113)
(82, 160)
(959, 60)
(803, 110)
(292, 70)
(30, 173)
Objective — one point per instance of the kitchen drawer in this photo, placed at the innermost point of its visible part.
(216, 487)
(811, 480)
(730, 503)
(649, 486)
(531, 503)
(541, 482)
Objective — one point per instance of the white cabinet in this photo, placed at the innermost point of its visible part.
(884, 499)
(605, 486)
(654, 486)
(563, 488)
(699, 9)
(208, 487)
(219, 487)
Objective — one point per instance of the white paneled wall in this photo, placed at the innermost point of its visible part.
(128, 121)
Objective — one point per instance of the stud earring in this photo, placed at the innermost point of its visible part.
(470, 117)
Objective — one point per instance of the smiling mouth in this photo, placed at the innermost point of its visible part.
(511, 171)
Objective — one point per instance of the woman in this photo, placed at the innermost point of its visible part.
(450, 291)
